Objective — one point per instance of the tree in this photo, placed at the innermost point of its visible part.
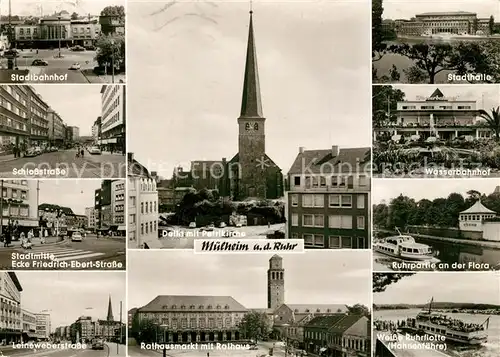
(401, 210)
(255, 325)
(384, 104)
(110, 51)
(382, 280)
(74, 16)
(359, 309)
(491, 25)
(377, 33)
(147, 331)
(113, 11)
(492, 120)
(380, 215)
(475, 26)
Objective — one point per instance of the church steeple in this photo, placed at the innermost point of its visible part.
(251, 104)
(110, 311)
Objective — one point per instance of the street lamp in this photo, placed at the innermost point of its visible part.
(59, 33)
(112, 60)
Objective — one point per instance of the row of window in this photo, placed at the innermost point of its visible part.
(334, 221)
(198, 323)
(475, 217)
(352, 343)
(334, 242)
(119, 208)
(334, 200)
(334, 181)
(148, 228)
(14, 194)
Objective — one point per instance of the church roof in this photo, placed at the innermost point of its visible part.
(197, 303)
(251, 103)
(348, 160)
(478, 208)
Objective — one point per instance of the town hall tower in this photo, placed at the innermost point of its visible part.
(275, 283)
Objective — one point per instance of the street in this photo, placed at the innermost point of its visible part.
(103, 253)
(64, 164)
(109, 347)
(264, 347)
(60, 66)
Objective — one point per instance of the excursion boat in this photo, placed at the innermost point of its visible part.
(403, 247)
(453, 329)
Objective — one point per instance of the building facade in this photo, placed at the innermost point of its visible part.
(113, 118)
(435, 23)
(19, 203)
(112, 24)
(82, 330)
(438, 117)
(195, 318)
(29, 325)
(74, 132)
(472, 219)
(90, 212)
(96, 131)
(275, 283)
(142, 206)
(118, 206)
(11, 318)
(338, 335)
(56, 129)
(328, 202)
(43, 326)
(38, 121)
(103, 206)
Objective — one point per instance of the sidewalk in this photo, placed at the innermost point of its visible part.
(36, 242)
(8, 157)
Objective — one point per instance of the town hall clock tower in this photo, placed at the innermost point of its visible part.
(275, 283)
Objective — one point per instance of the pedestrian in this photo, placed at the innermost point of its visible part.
(8, 238)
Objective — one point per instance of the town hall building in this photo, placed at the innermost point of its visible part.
(251, 173)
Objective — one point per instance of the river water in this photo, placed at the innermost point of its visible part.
(489, 349)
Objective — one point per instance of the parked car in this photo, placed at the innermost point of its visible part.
(94, 150)
(39, 62)
(76, 237)
(75, 66)
(97, 344)
(78, 48)
(30, 153)
(38, 150)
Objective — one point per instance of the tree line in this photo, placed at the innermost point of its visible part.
(403, 211)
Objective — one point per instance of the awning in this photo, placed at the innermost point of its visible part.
(122, 228)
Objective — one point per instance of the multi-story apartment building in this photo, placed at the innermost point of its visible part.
(112, 24)
(29, 325)
(83, 329)
(102, 205)
(338, 335)
(328, 201)
(113, 118)
(90, 212)
(75, 132)
(10, 307)
(56, 132)
(38, 121)
(96, 130)
(195, 318)
(142, 206)
(43, 326)
(445, 118)
(118, 206)
(53, 218)
(20, 203)
(85, 32)
(14, 117)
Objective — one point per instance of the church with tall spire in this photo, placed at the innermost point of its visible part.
(251, 173)
(109, 316)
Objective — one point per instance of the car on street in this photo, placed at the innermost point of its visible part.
(38, 150)
(39, 62)
(76, 237)
(94, 150)
(30, 153)
(78, 48)
(97, 344)
(75, 66)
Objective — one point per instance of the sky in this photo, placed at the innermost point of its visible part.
(69, 295)
(78, 194)
(332, 277)
(186, 67)
(32, 7)
(429, 188)
(460, 287)
(406, 9)
(485, 96)
(76, 104)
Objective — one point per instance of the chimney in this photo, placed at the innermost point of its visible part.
(335, 150)
(301, 150)
(130, 156)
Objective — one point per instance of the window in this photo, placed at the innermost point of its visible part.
(313, 240)
(340, 222)
(363, 181)
(346, 201)
(142, 207)
(346, 242)
(313, 220)
(350, 182)
(360, 201)
(296, 181)
(334, 200)
(294, 200)
(361, 222)
(313, 201)
(294, 236)
(333, 242)
(295, 219)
